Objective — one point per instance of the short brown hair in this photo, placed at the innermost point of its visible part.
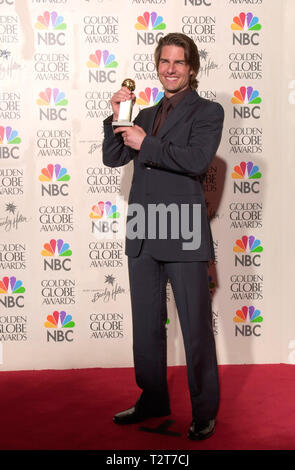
(191, 53)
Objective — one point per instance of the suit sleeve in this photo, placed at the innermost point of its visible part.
(114, 152)
(194, 158)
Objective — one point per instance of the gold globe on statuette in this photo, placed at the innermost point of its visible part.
(125, 111)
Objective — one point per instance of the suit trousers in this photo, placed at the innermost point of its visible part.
(189, 281)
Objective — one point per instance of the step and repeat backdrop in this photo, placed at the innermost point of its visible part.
(64, 292)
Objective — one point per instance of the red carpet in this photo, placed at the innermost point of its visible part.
(73, 409)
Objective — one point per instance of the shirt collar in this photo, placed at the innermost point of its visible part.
(175, 99)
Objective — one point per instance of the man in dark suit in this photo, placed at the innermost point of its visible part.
(172, 146)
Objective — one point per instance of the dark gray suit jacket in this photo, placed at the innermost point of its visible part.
(168, 169)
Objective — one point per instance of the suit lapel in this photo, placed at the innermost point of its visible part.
(153, 116)
(149, 118)
(178, 114)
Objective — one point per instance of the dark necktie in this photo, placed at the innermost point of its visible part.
(162, 115)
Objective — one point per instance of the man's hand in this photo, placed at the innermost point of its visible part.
(122, 95)
(132, 136)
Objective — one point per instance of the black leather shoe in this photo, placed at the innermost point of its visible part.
(201, 430)
(137, 415)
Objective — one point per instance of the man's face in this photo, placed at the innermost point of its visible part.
(173, 71)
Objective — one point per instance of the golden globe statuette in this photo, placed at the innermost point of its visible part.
(125, 111)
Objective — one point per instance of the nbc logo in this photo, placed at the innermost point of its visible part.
(149, 97)
(49, 27)
(247, 251)
(9, 141)
(59, 327)
(197, 3)
(104, 217)
(244, 97)
(52, 104)
(246, 171)
(149, 24)
(245, 27)
(247, 321)
(59, 254)
(101, 66)
(56, 177)
(10, 290)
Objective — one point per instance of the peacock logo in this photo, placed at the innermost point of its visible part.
(10, 285)
(246, 95)
(56, 248)
(59, 320)
(54, 173)
(246, 171)
(150, 21)
(102, 59)
(149, 97)
(51, 21)
(246, 22)
(104, 209)
(9, 136)
(52, 97)
(248, 245)
(248, 314)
